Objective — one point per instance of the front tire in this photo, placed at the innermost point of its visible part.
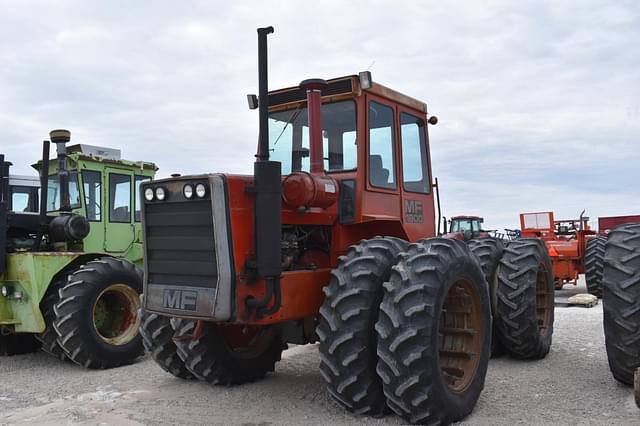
(525, 299)
(157, 337)
(348, 315)
(49, 338)
(227, 354)
(97, 317)
(434, 333)
(593, 264)
(621, 301)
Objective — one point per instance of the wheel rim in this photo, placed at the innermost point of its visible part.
(543, 313)
(460, 334)
(115, 314)
(245, 341)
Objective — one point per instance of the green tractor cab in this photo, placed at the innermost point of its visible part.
(69, 268)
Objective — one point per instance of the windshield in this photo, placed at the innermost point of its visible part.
(460, 225)
(289, 138)
(53, 194)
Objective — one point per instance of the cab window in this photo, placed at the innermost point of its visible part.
(119, 198)
(138, 203)
(92, 186)
(414, 154)
(289, 138)
(24, 199)
(381, 146)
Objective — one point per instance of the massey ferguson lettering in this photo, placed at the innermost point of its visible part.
(413, 211)
(184, 300)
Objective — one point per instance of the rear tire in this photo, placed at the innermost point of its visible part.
(97, 317)
(348, 315)
(488, 251)
(621, 301)
(525, 299)
(157, 337)
(209, 357)
(593, 264)
(18, 344)
(435, 287)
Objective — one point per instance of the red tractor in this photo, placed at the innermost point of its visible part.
(332, 240)
(465, 228)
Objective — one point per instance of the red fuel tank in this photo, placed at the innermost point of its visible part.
(302, 189)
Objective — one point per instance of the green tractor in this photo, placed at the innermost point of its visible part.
(70, 280)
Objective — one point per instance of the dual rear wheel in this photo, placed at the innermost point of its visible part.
(433, 332)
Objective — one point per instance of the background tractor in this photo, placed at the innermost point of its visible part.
(465, 228)
(331, 240)
(68, 276)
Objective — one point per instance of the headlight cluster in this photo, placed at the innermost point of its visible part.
(189, 191)
(200, 190)
(158, 194)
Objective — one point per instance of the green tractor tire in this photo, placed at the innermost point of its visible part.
(98, 315)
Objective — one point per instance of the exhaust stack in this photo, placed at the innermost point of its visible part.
(268, 194)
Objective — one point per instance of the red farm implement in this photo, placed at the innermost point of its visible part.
(566, 242)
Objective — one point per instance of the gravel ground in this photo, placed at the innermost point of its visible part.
(571, 386)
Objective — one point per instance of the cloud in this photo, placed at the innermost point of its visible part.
(539, 102)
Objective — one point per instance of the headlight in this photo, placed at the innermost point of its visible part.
(148, 194)
(201, 190)
(187, 191)
(160, 193)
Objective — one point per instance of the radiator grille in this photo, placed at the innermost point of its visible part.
(179, 244)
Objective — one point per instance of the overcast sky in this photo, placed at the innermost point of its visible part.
(538, 101)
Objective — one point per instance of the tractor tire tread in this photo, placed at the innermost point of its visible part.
(621, 301)
(516, 300)
(347, 318)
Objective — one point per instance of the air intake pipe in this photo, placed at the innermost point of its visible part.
(60, 137)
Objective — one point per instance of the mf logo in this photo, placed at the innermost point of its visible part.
(184, 300)
(413, 211)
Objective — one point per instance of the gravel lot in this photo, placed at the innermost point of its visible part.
(571, 386)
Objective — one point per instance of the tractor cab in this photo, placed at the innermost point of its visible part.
(466, 228)
(105, 189)
(24, 192)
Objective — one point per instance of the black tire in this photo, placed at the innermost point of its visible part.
(348, 316)
(621, 301)
(18, 344)
(489, 251)
(413, 356)
(79, 335)
(157, 337)
(49, 338)
(209, 358)
(593, 264)
(525, 299)
(636, 387)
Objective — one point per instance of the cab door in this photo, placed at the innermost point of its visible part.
(120, 230)
(418, 212)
